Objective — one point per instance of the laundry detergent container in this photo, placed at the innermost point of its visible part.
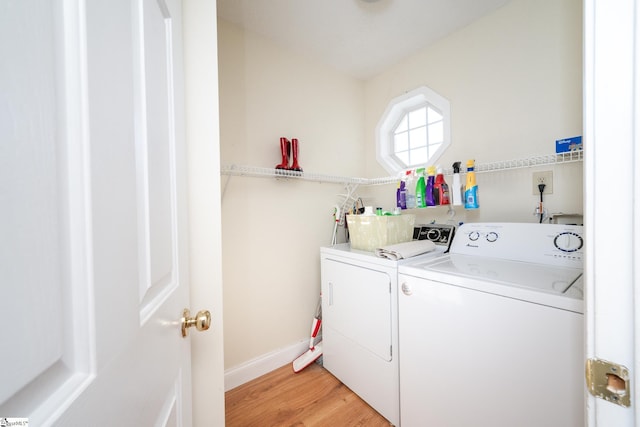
(368, 232)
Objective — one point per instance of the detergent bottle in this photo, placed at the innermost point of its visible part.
(420, 189)
(401, 194)
(471, 188)
(429, 190)
(440, 189)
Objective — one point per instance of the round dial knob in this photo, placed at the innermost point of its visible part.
(474, 235)
(433, 234)
(492, 236)
(568, 242)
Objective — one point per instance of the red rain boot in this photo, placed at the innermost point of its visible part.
(285, 149)
(294, 148)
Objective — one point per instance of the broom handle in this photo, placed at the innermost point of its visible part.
(315, 327)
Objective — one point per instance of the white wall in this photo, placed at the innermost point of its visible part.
(272, 229)
(514, 80)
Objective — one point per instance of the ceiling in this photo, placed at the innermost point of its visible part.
(358, 37)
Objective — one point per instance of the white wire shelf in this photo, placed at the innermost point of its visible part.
(528, 162)
(258, 172)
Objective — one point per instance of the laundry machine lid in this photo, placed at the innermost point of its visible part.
(539, 277)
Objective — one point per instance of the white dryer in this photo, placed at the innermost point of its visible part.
(492, 333)
(360, 318)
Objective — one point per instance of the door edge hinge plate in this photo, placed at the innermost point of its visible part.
(609, 381)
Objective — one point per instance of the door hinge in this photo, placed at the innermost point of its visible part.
(608, 381)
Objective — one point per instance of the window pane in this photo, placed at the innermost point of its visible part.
(436, 133)
(434, 115)
(419, 156)
(402, 126)
(433, 148)
(403, 156)
(418, 137)
(401, 142)
(418, 118)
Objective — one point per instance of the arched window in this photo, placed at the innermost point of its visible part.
(414, 130)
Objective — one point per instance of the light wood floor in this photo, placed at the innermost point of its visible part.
(312, 397)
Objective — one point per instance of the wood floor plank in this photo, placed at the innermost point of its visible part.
(309, 398)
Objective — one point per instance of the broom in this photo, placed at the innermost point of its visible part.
(315, 350)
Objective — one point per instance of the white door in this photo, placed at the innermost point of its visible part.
(93, 214)
(612, 191)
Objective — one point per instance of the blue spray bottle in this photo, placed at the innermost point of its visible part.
(471, 188)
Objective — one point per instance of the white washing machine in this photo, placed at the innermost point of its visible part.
(491, 335)
(360, 318)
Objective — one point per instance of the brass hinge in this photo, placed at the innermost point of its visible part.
(608, 381)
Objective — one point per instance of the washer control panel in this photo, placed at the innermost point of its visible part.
(554, 244)
(568, 241)
(440, 234)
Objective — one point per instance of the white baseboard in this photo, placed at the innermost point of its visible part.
(238, 375)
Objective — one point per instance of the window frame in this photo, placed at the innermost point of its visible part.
(396, 110)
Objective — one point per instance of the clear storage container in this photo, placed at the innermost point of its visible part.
(368, 232)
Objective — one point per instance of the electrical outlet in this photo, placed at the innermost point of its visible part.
(545, 178)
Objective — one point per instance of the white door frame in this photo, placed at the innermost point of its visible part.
(200, 35)
(612, 195)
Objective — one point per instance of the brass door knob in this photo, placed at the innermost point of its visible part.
(202, 321)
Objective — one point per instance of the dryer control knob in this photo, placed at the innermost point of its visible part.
(433, 234)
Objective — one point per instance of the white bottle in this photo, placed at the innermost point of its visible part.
(456, 188)
(411, 190)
